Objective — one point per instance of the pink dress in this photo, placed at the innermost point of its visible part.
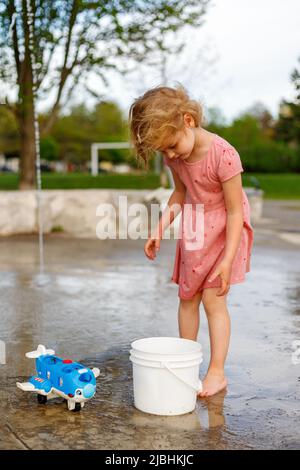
(196, 258)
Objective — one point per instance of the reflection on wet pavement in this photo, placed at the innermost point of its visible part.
(95, 299)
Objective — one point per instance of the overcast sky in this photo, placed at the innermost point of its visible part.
(247, 49)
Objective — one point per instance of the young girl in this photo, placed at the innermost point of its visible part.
(206, 170)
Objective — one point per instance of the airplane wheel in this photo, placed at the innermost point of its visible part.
(42, 399)
(77, 407)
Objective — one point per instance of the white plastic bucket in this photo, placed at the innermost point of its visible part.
(166, 375)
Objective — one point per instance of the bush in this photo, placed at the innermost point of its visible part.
(49, 149)
(270, 157)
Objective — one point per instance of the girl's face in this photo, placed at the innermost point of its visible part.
(182, 144)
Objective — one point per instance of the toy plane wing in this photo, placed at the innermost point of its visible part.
(43, 389)
(26, 386)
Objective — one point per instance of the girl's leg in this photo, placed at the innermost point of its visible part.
(219, 335)
(188, 317)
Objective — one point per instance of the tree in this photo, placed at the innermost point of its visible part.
(263, 117)
(75, 131)
(288, 125)
(72, 38)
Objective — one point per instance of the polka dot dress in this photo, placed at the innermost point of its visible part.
(202, 236)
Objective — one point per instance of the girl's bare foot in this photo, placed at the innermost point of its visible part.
(213, 383)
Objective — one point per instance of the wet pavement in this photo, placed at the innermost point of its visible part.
(96, 297)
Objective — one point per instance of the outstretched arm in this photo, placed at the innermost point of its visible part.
(173, 208)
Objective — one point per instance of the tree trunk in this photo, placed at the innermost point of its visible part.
(27, 147)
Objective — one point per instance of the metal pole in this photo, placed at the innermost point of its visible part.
(94, 160)
(157, 163)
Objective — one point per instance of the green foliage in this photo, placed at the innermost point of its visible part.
(258, 151)
(270, 157)
(72, 135)
(9, 137)
(76, 132)
(49, 149)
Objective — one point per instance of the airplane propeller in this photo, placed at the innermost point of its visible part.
(40, 351)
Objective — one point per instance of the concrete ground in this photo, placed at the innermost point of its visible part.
(96, 297)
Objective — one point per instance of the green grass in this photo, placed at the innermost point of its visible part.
(9, 181)
(274, 185)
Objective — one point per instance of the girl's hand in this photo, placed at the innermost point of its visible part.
(223, 270)
(152, 246)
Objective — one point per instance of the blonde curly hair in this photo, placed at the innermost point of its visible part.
(156, 117)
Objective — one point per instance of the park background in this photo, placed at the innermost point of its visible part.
(76, 75)
(82, 64)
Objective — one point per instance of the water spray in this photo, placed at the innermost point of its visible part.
(36, 135)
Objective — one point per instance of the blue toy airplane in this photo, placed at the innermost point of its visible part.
(60, 377)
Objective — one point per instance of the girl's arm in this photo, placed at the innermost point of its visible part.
(173, 208)
(233, 197)
(234, 206)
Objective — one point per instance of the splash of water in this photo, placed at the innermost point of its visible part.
(12, 24)
(37, 139)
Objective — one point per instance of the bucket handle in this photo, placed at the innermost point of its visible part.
(197, 388)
